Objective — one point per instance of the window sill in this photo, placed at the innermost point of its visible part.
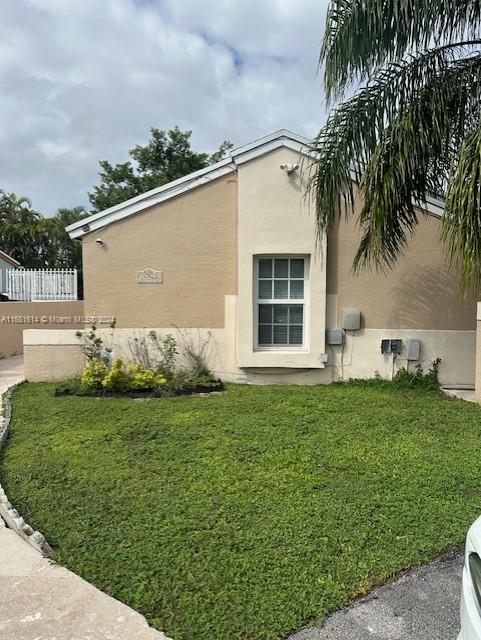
(281, 358)
(283, 349)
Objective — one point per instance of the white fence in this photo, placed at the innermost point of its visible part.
(41, 284)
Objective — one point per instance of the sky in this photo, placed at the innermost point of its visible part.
(84, 80)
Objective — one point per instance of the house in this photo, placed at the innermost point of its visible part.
(6, 262)
(228, 255)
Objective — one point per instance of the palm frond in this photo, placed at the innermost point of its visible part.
(461, 227)
(433, 85)
(361, 35)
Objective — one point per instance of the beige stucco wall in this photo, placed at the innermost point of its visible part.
(191, 239)
(56, 355)
(17, 316)
(421, 292)
(47, 363)
(274, 219)
(205, 242)
(51, 355)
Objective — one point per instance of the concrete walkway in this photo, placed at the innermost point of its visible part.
(422, 605)
(462, 394)
(41, 601)
(11, 372)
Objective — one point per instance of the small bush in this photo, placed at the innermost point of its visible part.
(153, 368)
(418, 378)
(93, 375)
(145, 378)
(93, 346)
(119, 377)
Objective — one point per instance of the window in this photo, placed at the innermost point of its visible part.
(280, 302)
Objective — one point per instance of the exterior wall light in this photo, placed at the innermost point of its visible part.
(289, 168)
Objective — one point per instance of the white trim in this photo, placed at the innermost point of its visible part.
(304, 302)
(281, 138)
(286, 143)
(8, 258)
(433, 205)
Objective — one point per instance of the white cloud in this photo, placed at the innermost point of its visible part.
(85, 80)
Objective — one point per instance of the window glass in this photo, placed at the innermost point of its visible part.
(280, 323)
(297, 268)
(265, 268)
(265, 313)
(281, 289)
(265, 289)
(297, 289)
(281, 268)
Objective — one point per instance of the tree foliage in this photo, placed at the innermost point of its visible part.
(167, 156)
(411, 130)
(38, 242)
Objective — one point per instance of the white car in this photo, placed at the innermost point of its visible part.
(471, 589)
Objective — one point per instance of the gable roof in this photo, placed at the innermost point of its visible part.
(9, 259)
(236, 157)
(282, 138)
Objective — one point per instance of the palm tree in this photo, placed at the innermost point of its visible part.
(68, 252)
(411, 130)
(19, 228)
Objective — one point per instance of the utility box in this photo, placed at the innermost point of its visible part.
(413, 349)
(334, 337)
(351, 319)
(389, 345)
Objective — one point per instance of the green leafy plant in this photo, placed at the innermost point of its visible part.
(93, 346)
(120, 377)
(117, 378)
(168, 352)
(145, 378)
(417, 377)
(205, 379)
(93, 375)
(152, 367)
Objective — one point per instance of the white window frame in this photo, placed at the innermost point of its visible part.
(285, 301)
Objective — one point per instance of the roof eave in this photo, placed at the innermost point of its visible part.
(281, 138)
(9, 259)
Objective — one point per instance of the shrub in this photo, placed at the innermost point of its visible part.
(119, 377)
(418, 378)
(145, 378)
(153, 366)
(167, 354)
(93, 375)
(93, 346)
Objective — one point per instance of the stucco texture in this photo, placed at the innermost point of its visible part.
(274, 219)
(43, 316)
(421, 292)
(191, 239)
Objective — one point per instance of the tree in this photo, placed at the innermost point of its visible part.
(411, 130)
(67, 253)
(20, 229)
(38, 242)
(167, 156)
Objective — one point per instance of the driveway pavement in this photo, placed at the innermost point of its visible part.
(11, 372)
(422, 605)
(40, 600)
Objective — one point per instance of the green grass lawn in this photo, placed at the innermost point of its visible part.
(249, 514)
